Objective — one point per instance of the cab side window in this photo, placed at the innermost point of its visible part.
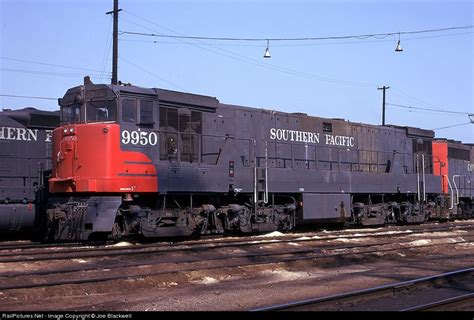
(146, 112)
(180, 134)
(129, 110)
(168, 133)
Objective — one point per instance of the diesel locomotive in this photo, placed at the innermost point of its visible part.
(132, 161)
(25, 160)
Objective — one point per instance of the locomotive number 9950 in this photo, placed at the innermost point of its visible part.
(136, 137)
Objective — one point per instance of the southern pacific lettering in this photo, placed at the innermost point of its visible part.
(311, 137)
(22, 134)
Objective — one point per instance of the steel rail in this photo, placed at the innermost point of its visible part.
(164, 248)
(235, 265)
(325, 253)
(440, 303)
(365, 292)
(88, 244)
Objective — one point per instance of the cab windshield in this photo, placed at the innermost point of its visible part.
(71, 113)
(101, 111)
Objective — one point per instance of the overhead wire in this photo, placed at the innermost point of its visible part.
(410, 97)
(397, 110)
(361, 36)
(72, 75)
(427, 109)
(455, 125)
(28, 97)
(241, 58)
(108, 45)
(49, 64)
(293, 44)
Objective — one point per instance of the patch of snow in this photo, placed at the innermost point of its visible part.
(169, 284)
(260, 241)
(303, 238)
(286, 275)
(434, 234)
(419, 242)
(348, 240)
(396, 232)
(206, 280)
(293, 244)
(272, 234)
(121, 244)
(79, 260)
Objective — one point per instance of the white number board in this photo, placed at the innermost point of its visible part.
(138, 137)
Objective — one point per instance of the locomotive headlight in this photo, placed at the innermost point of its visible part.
(68, 131)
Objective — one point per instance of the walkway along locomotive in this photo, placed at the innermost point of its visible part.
(129, 160)
(25, 160)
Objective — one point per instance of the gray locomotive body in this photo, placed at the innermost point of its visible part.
(25, 156)
(186, 163)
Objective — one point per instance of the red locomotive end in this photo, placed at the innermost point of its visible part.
(88, 158)
(440, 163)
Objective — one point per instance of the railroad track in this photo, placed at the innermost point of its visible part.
(91, 246)
(460, 281)
(445, 304)
(157, 248)
(41, 245)
(169, 265)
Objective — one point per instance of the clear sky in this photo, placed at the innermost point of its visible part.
(333, 79)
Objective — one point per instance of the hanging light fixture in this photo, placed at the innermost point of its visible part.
(399, 47)
(267, 51)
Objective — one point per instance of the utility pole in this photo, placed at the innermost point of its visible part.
(115, 43)
(383, 103)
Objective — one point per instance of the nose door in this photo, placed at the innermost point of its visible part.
(65, 158)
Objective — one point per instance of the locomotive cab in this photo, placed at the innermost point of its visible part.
(96, 121)
(91, 103)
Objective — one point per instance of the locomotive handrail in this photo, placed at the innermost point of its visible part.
(265, 195)
(452, 192)
(255, 191)
(457, 191)
(424, 177)
(417, 165)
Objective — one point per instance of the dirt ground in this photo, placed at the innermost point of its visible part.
(247, 287)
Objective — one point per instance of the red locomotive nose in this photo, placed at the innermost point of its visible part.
(88, 158)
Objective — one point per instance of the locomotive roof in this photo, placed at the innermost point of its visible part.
(208, 103)
(169, 97)
(410, 131)
(34, 118)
